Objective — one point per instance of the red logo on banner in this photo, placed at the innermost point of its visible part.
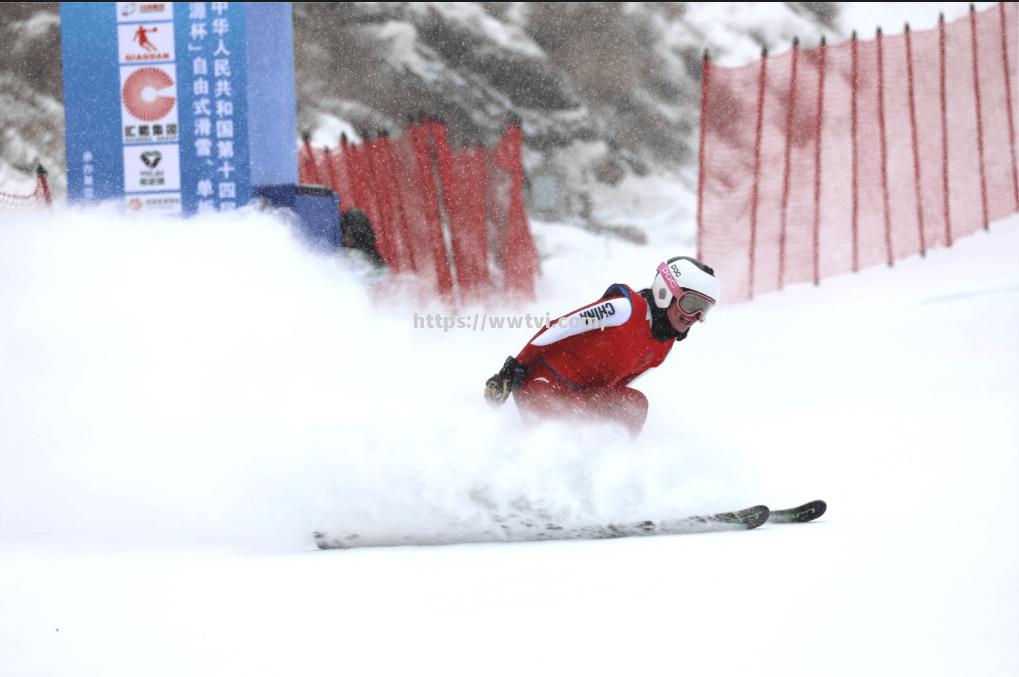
(141, 36)
(142, 97)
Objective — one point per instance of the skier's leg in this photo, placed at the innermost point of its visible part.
(621, 404)
(541, 398)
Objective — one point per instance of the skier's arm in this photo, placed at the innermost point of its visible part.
(609, 311)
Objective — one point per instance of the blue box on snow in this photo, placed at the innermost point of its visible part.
(316, 207)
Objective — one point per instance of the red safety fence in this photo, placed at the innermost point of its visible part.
(40, 197)
(452, 216)
(822, 161)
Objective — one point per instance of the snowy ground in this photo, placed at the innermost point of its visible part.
(183, 403)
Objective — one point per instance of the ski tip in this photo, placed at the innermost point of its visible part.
(808, 512)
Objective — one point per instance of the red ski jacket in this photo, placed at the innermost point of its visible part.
(608, 343)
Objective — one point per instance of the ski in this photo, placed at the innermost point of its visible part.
(747, 518)
(807, 512)
(520, 528)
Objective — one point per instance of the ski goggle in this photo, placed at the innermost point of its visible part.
(690, 302)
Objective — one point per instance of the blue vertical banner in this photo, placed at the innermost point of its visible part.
(159, 111)
(91, 101)
(211, 83)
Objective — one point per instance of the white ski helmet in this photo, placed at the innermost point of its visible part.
(683, 272)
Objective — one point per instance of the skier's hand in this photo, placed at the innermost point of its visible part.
(499, 386)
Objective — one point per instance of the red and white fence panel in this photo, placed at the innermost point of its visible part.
(420, 194)
(822, 161)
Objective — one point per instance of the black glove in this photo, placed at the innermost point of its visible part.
(499, 387)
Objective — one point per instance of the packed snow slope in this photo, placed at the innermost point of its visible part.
(183, 403)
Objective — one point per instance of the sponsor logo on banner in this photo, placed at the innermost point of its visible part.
(162, 203)
(145, 42)
(151, 158)
(144, 11)
(149, 103)
(155, 168)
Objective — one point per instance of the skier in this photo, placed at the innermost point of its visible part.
(582, 364)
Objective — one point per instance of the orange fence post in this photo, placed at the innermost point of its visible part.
(916, 150)
(942, 56)
(43, 184)
(884, 148)
(1008, 104)
(433, 212)
(311, 174)
(328, 159)
(396, 202)
(520, 255)
(705, 81)
(854, 128)
(755, 196)
(817, 161)
(980, 117)
(787, 170)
